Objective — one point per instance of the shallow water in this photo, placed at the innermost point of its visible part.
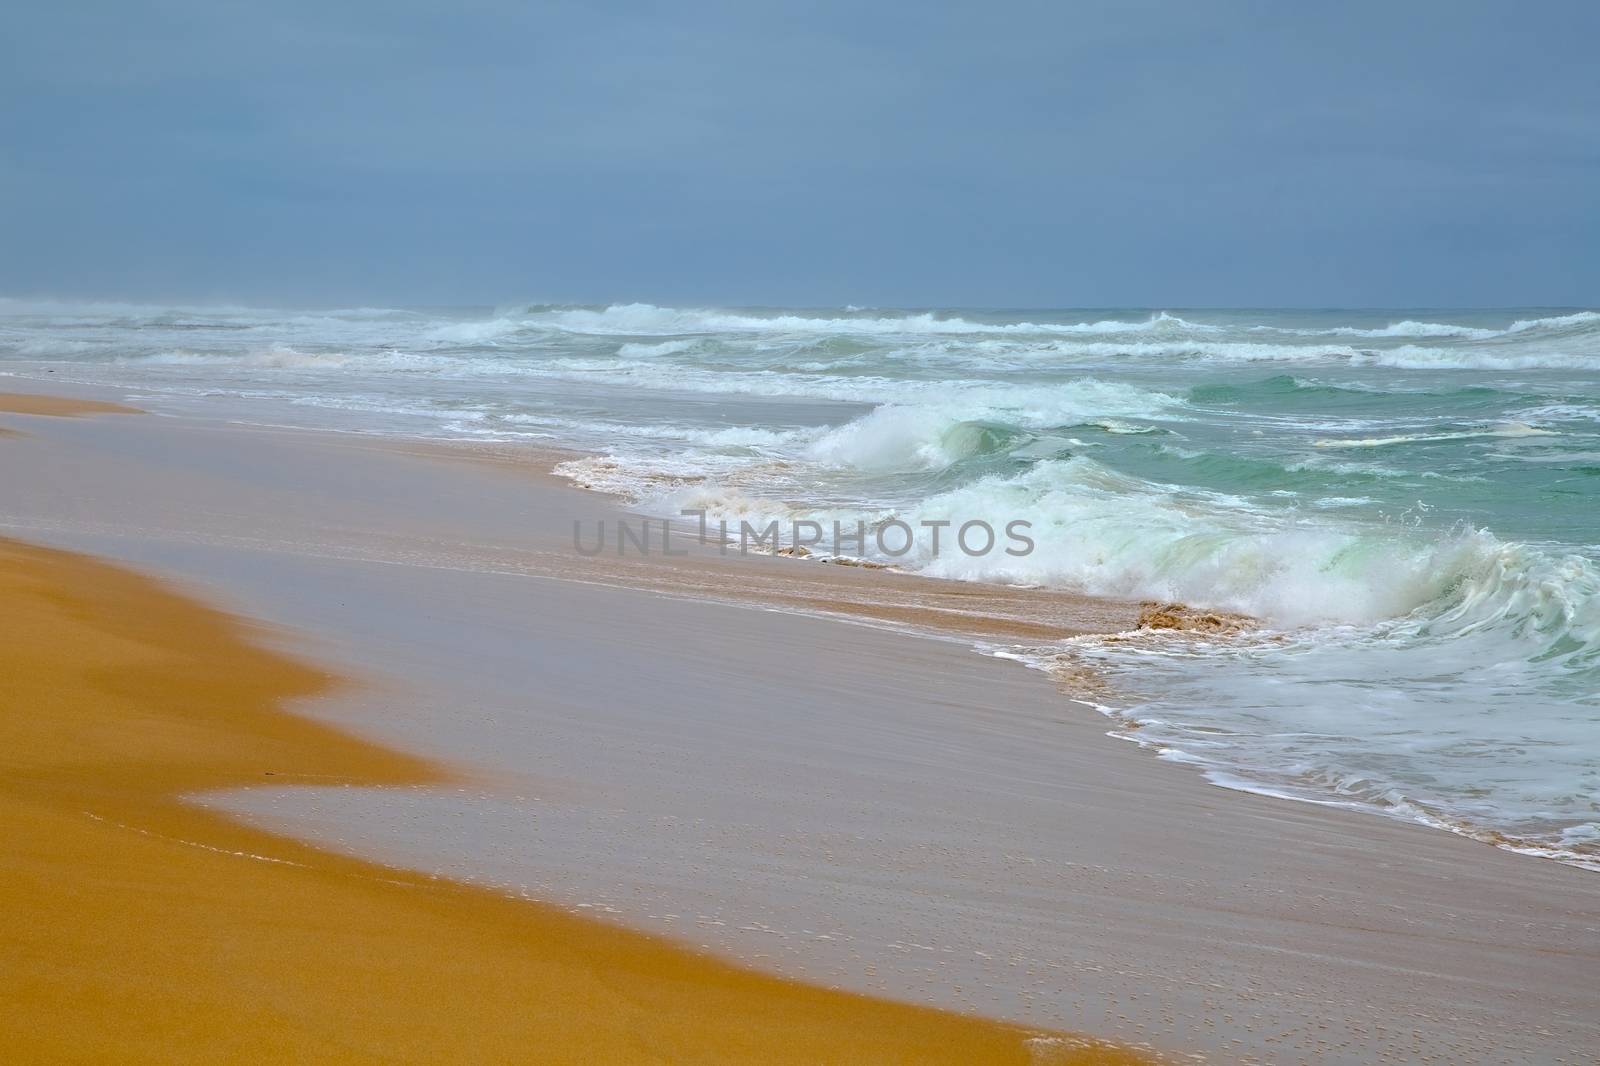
(1407, 498)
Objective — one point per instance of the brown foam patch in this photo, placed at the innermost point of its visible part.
(1183, 618)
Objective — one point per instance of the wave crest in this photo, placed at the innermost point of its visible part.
(650, 320)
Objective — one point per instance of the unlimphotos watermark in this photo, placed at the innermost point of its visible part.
(892, 538)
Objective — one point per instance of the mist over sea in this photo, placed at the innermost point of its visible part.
(1408, 500)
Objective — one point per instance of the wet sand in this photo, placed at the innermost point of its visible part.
(851, 803)
(140, 928)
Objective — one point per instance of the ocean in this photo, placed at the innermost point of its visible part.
(1407, 501)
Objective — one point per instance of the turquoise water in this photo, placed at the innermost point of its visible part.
(1406, 499)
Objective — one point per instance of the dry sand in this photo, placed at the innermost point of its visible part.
(880, 810)
(31, 403)
(38, 404)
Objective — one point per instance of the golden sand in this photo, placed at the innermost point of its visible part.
(137, 928)
(26, 403)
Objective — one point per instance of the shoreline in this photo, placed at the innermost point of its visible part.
(985, 616)
(1114, 905)
(826, 587)
(991, 619)
(285, 949)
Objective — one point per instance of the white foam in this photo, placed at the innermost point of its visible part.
(959, 422)
(1579, 318)
(663, 348)
(1108, 534)
(1412, 357)
(1406, 328)
(1510, 429)
(650, 320)
(1413, 328)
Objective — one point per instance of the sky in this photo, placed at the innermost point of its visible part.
(1003, 154)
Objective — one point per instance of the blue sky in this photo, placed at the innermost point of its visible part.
(1002, 154)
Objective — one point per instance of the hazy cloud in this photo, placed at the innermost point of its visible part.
(1007, 153)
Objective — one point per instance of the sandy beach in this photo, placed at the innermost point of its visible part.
(1054, 534)
(140, 927)
(801, 769)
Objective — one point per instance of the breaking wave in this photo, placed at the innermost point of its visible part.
(651, 320)
(1411, 328)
